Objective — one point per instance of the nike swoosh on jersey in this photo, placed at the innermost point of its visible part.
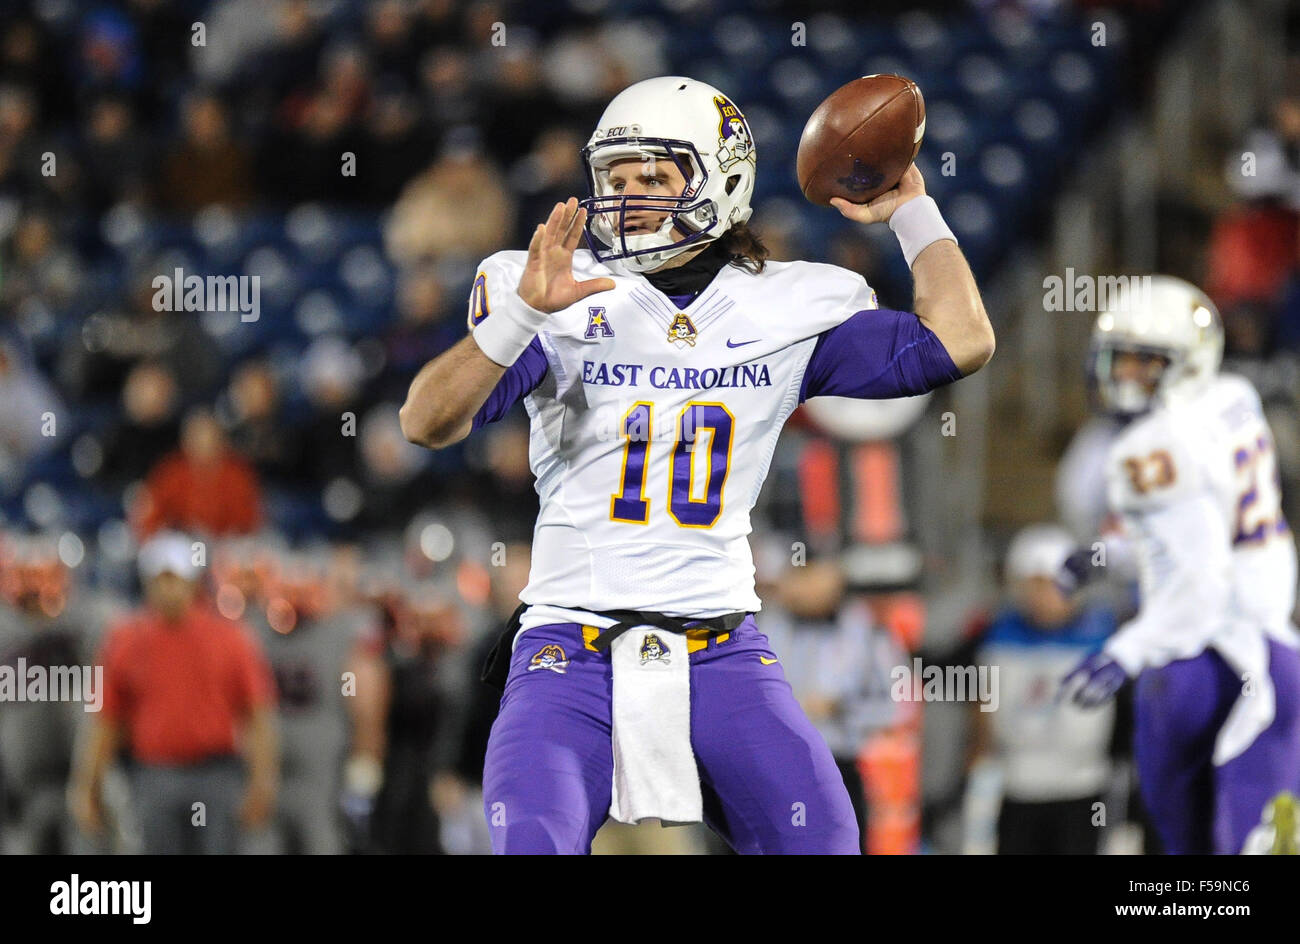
(742, 343)
(767, 661)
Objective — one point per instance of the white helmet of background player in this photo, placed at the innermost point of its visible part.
(698, 128)
(1161, 316)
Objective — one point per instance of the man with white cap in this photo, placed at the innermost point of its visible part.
(182, 686)
(1054, 755)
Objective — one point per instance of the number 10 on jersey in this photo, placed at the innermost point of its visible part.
(697, 422)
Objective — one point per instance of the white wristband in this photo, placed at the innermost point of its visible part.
(508, 329)
(917, 224)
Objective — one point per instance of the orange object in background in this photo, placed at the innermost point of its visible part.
(878, 516)
(890, 764)
(890, 760)
(903, 614)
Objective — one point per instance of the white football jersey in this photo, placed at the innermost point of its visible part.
(1197, 486)
(653, 429)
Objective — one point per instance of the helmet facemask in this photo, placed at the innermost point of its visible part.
(1127, 397)
(689, 219)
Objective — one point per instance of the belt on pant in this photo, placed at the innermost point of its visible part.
(496, 668)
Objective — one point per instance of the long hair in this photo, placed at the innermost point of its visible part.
(744, 248)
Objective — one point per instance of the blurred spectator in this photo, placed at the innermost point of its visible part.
(506, 491)
(332, 699)
(148, 427)
(108, 51)
(94, 362)
(27, 57)
(390, 467)
(116, 155)
(1054, 756)
(205, 486)
(396, 144)
(449, 97)
(778, 227)
(182, 688)
(23, 147)
(45, 621)
(855, 251)
(38, 267)
(25, 399)
(207, 165)
(430, 321)
(458, 207)
(1255, 243)
(587, 67)
(240, 32)
(316, 126)
(550, 173)
(250, 411)
(393, 47)
(517, 107)
(458, 789)
(330, 375)
(427, 628)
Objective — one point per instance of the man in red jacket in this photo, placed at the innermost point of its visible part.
(183, 687)
(205, 486)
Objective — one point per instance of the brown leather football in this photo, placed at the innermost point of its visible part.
(858, 142)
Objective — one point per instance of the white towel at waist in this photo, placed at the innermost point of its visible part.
(655, 773)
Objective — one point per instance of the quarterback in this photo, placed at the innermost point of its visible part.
(1193, 477)
(657, 367)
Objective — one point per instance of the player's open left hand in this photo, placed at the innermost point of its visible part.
(882, 208)
(548, 283)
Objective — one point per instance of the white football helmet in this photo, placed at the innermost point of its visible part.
(707, 138)
(1162, 316)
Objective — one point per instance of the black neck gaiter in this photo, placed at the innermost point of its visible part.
(693, 277)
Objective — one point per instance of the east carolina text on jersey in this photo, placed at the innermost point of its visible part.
(675, 378)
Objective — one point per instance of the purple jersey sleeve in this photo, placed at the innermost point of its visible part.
(877, 354)
(520, 379)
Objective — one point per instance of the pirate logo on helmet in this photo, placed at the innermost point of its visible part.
(734, 142)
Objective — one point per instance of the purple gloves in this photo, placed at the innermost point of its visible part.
(1094, 680)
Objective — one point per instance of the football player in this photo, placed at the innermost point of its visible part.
(1193, 477)
(657, 367)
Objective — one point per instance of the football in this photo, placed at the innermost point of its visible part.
(861, 139)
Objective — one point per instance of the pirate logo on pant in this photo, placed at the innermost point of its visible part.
(654, 650)
(549, 657)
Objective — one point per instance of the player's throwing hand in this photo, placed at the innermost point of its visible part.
(548, 283)
(882, 208)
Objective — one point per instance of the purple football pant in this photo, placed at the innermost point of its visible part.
(1196, 807)
(769, 781)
